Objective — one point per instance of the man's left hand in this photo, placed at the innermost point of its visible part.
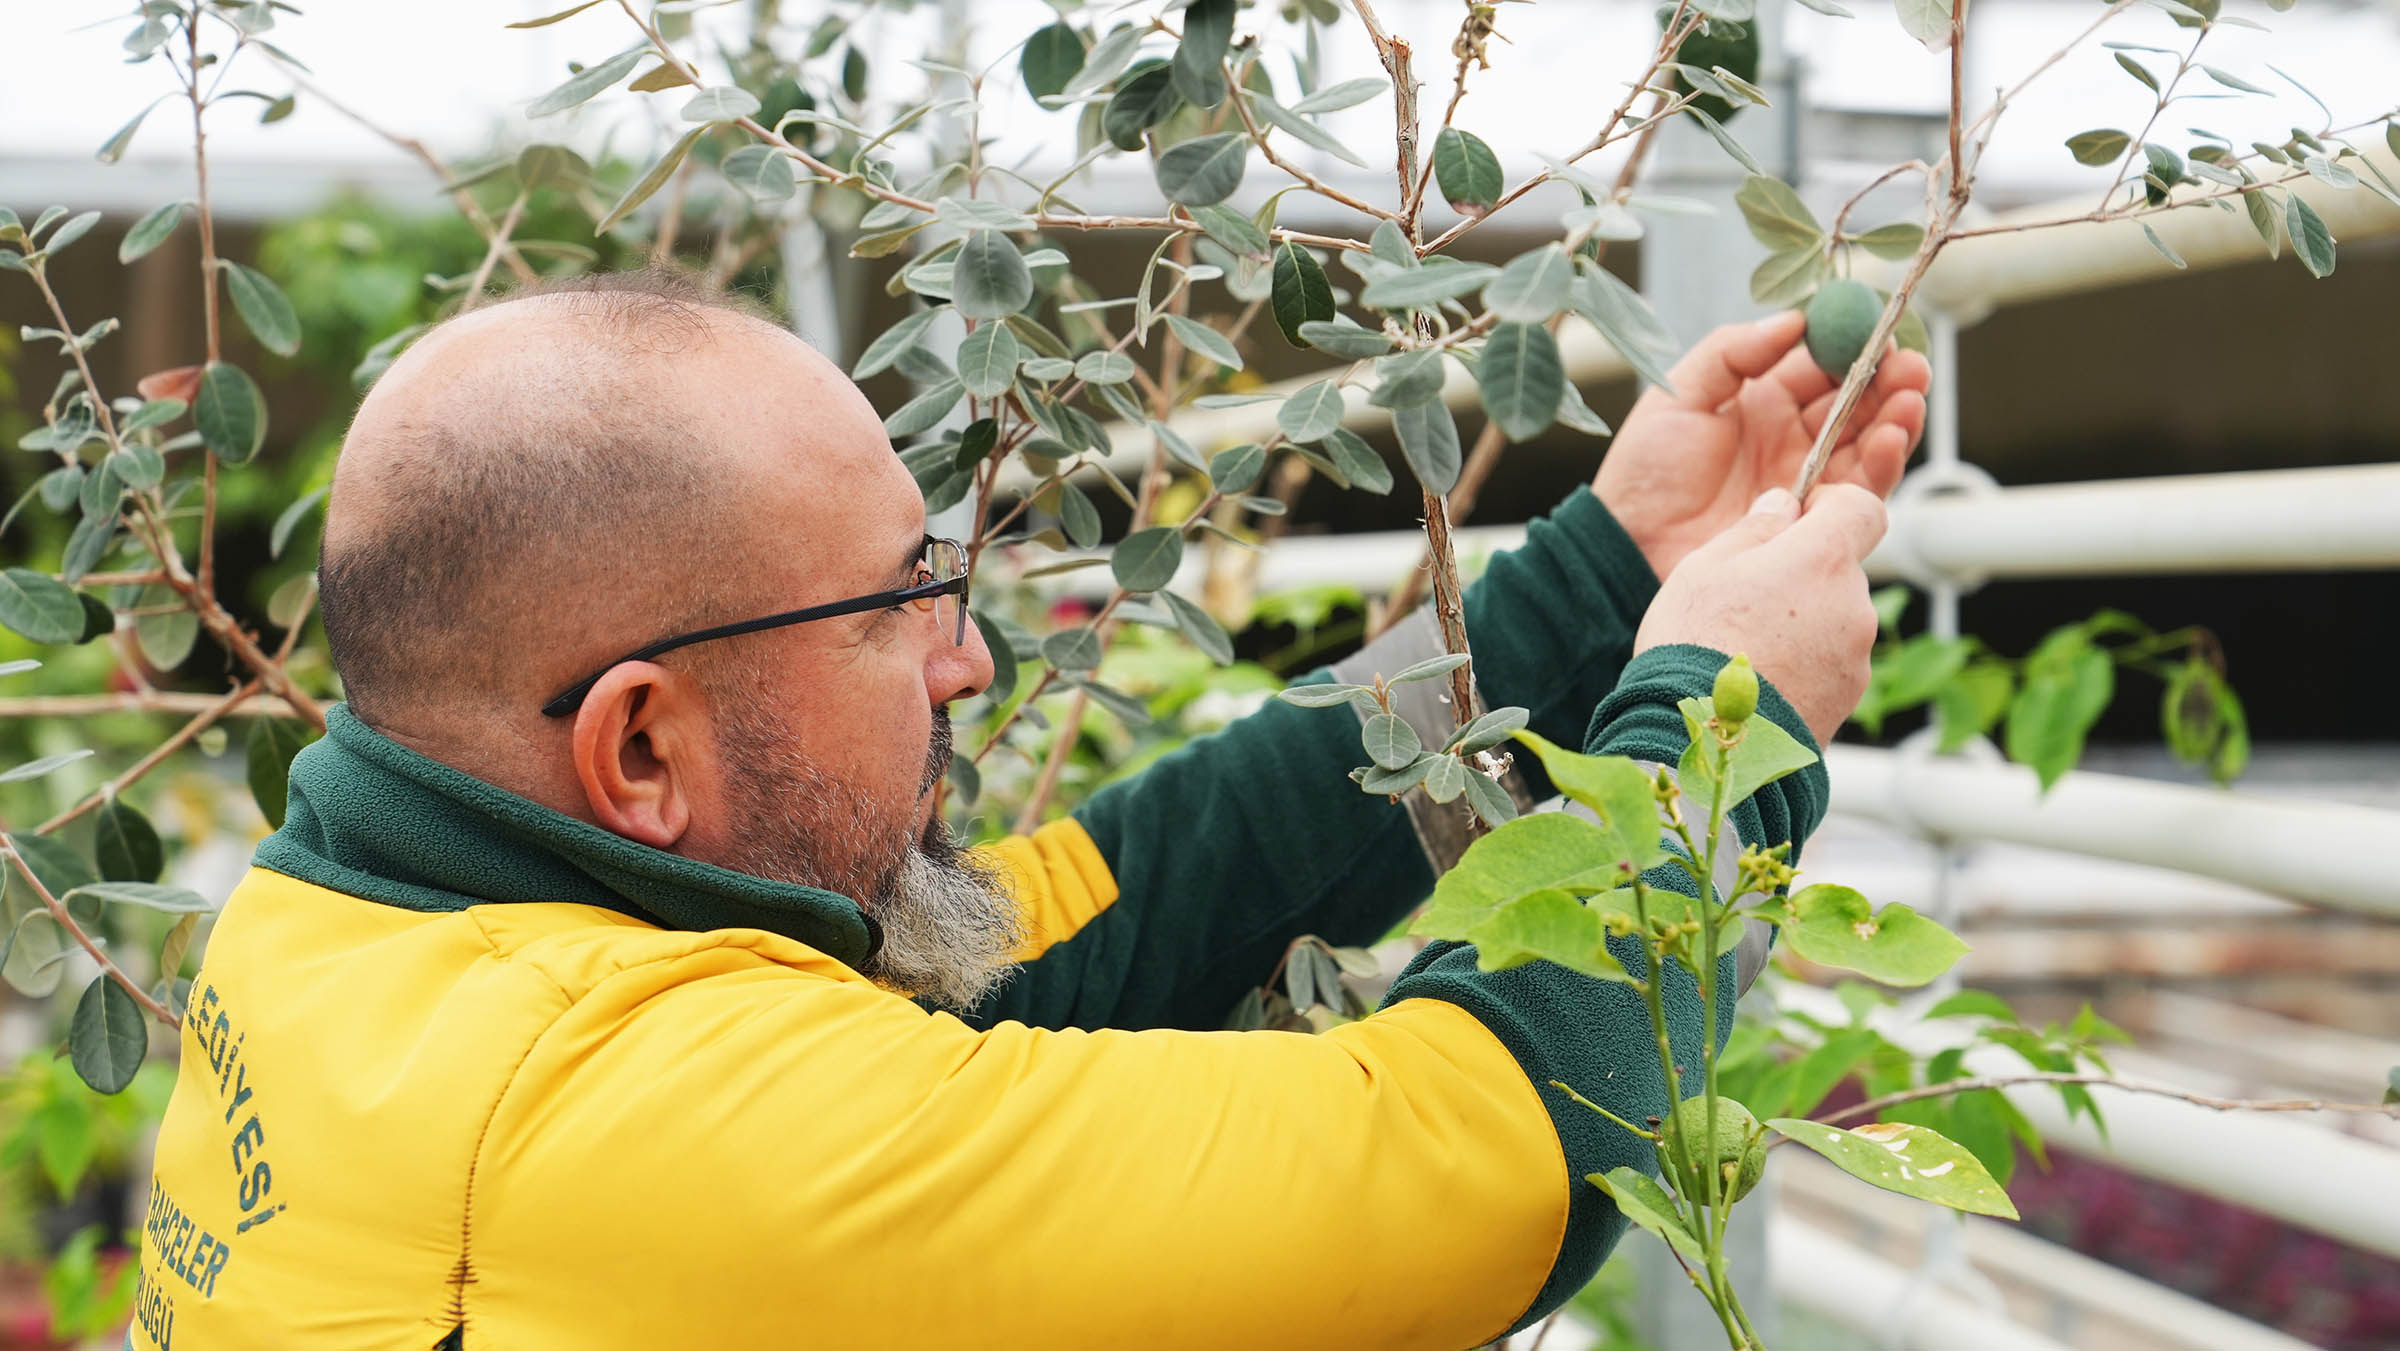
(1747, 404)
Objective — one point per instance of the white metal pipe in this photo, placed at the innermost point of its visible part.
(1971, 276)
(1859, 1291)
(2263, 521)
(2298, 520)
(2089, 1301)
(2319, 853)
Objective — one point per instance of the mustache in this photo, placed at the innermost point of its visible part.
(937, 751)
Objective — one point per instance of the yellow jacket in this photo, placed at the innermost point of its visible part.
(462, 1072)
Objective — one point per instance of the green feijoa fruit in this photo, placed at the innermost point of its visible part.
(1840, 319)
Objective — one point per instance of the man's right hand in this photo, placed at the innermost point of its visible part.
(1786, 587)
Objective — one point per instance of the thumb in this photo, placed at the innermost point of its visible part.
(1772, 511)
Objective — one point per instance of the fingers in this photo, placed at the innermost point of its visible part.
(1842, 521)
(1769, 515)
(1713, 371)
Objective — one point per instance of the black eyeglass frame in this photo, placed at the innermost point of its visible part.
(571, 698)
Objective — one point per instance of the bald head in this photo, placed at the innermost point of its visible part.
(544, 483)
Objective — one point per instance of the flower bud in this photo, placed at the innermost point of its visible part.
(1736, 694)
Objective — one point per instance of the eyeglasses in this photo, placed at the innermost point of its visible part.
(940, 585)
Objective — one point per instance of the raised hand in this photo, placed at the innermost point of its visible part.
(1747, 404)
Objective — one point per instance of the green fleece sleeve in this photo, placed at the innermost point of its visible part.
(1595, 1035)
(1226, 850)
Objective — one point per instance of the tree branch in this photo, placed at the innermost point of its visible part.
(183, 735)
(58, 913)
(1874, 1105)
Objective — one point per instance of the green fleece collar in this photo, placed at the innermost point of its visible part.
(371, 818)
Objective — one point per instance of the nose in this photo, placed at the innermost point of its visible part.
(955, 671)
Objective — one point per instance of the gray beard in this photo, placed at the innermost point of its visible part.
(950, 925)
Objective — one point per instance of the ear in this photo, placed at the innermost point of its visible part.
(643, 753)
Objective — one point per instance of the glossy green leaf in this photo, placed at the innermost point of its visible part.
(1910, 1160)
(1641, 1200)
(2066, 685)
(1051, 57)
(1104, 368)
(1428, 438)
(888, 346)
(108, 1038)
(1627, 322)
(1425, 287)
(1073, 649)
(289, 521)
(1237, 232)
(1522, 379)
(1312, 413)
(1326, 695)
(34, 769)
(1618, 792)
(264, 308)
(1345, 338)
(762, 172)
(1835, 926)
(1533, 286)
(272, 744)
(1532, 853)
(1200, 57)
(1301, 294)
(581, 86)
(1408, 378)
(1467, 171)
(1347, 94)
(147, 895)
(2100, 147)
(167, 633)
(1390, 742)
(987, 360)
(1144, 98)
(125, 844)
(1303, 130)
(230, 413)
(2310, 237)
(1204, 170)
(1201, 627)
(1078, 517)
(720, 103)
(652, 179)
(1204, 340)
(1357, 461)
(990, 278)
(153, 229)
(1146, 559)
(39, 607)
(1236, 469)
(1549, 925)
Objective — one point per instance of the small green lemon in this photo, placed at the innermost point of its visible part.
(1735, 696)
(1738, 1158)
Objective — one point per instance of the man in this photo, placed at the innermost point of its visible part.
(568, 1009)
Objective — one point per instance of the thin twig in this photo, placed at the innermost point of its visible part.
(1679, 27)
(183, 735)
(826, 173)
(491, 254)
(1956, 1086)
(58, 912)
(410, 145)
(152, 701)
(1241, 107)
